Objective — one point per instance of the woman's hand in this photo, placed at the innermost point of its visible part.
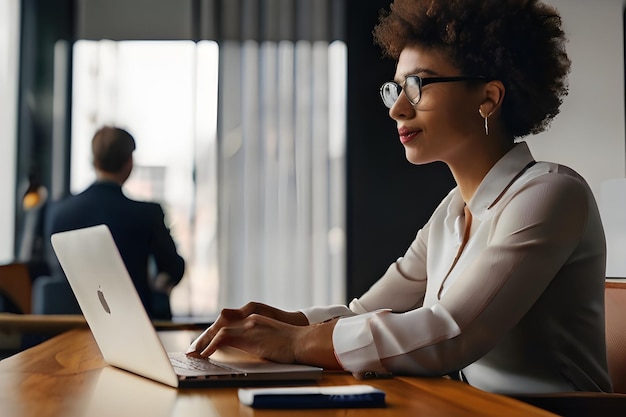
(269, 333)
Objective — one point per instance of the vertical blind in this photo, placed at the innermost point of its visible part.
(281, 129)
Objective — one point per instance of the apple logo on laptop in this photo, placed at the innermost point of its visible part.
(103, 301)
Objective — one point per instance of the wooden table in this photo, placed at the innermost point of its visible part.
(66, 376)
(52, 324)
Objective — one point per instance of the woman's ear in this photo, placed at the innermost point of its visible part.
(493, 96)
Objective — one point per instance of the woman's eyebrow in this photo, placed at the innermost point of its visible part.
(415, 71)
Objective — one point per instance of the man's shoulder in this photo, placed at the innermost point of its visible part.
(150, 206)
(65, 203)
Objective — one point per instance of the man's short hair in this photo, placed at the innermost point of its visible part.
(112, 147)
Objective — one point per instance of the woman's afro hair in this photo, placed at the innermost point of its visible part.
(519, 42)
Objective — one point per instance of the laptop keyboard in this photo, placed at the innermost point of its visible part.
(182, 361)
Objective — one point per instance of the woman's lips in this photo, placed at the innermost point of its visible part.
(407, 135)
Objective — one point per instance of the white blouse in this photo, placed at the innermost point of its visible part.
(521, 310)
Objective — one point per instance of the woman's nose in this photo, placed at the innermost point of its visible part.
(402, 108)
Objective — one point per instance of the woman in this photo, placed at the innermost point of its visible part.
(504, 286)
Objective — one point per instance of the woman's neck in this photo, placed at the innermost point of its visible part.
(472, 168)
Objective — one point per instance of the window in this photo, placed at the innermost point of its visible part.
(9, 76)
(252, 180)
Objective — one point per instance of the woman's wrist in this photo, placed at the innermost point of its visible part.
(313, 345)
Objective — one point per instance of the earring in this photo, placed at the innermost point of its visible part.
(480, 111)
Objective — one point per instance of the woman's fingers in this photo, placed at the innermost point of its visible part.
(259, 336)
(226, 318)
(254, 318)
(199, 343)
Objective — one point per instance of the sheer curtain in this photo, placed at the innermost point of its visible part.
(281, 160)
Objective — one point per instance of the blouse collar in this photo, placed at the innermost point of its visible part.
(500, 177)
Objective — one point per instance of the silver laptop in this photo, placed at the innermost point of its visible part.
(124, 333)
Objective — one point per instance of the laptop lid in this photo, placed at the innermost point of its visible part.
(119, 323)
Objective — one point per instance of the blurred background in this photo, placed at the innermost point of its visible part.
(259, 129)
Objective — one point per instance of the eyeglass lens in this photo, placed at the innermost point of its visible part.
(390, 91)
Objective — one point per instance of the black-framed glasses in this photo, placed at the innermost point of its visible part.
(412, 86)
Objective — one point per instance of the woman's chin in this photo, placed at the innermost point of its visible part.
(415, 157)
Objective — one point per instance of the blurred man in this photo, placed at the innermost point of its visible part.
(138, 228)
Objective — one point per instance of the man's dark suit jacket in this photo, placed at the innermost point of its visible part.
(138, 229)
